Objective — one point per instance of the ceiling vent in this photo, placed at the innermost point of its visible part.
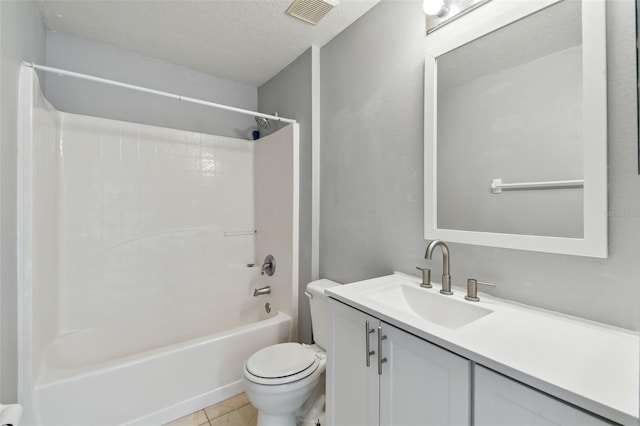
(311, 11)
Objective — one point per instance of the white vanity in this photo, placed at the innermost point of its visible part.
(395, 358)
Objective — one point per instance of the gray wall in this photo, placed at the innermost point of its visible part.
(372, 169)
(71, 95)
(22, 37)
(289, 94)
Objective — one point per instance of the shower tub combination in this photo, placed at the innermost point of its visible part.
(138, 258)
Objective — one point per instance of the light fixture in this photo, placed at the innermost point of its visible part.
(441, 12)
(434, 7)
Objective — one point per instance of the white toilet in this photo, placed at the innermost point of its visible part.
(278, 379)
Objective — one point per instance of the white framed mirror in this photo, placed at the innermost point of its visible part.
(516, 128)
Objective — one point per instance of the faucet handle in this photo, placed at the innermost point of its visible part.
(472, 289)
(269, 266)
(426, 277)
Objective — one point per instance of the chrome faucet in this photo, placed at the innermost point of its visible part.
(446, 277)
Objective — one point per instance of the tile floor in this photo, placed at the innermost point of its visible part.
(235, 411)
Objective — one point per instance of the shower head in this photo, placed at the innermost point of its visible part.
(263, 122)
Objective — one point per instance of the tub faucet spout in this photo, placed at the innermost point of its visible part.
(446, 276)
(260, 291)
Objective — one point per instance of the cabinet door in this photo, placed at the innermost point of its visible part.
(352, 386)
(421, 383)
(500, 401)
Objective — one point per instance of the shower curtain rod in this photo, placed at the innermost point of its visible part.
(156, 92)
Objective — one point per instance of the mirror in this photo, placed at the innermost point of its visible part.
(515, 128)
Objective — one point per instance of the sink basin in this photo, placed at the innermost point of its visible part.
(428, 305)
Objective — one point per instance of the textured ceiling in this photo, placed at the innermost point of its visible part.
(244, 40)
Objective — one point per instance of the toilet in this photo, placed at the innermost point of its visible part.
(280, 378)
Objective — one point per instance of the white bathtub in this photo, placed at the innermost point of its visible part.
(153, 387)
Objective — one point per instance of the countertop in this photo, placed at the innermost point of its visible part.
(591, 365)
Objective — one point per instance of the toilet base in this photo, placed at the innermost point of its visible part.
(313, 409)
(276, 420)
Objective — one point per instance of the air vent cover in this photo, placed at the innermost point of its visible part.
(311, 11)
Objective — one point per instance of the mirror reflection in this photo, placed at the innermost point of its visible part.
(509, 110)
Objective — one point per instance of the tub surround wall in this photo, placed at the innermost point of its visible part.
(38, 173)
(372, 81)
(45, 220)
(144, 211)
(81, 97)
(22, 37)
(289, 94)
(277, 206)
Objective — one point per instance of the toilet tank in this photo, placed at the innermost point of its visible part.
(318, 304)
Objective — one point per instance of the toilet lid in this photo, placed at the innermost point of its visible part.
(281, 360)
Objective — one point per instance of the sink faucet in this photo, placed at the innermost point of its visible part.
(446, 277)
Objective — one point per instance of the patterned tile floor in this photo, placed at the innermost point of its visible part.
(236, 411)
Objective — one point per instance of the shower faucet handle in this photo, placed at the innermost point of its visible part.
(269, 266)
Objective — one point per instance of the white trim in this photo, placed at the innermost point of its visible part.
(155, 92)
(492, 16)
(315, 163)
(594, 95)
(295, 243)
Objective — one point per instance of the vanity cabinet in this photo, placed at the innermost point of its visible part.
(408, 382)
(352, 385)
(421, 383)
(494, 363)
(500, 401)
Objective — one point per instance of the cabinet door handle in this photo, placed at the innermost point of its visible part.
(368, 331)
(380, 359)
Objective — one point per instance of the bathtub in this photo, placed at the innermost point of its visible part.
(149, 388)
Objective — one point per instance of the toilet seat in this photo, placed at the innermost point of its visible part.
(281, 363)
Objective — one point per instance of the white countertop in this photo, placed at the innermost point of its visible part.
(589, 364)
